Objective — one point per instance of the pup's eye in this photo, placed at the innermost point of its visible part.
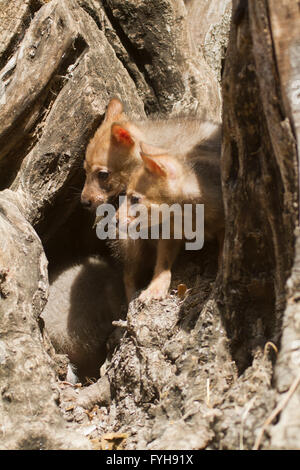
(135, 200)
(103, 175)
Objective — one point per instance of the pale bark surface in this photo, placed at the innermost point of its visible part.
(180, 374)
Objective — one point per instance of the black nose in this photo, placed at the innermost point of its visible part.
(86, 203)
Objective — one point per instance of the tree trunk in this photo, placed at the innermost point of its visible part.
(192, 373)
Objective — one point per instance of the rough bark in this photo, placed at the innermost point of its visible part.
(197, 385)
(193, 372)
(285, 23)
(45, 126)
(30, 417)
(61, 61)
(260, 186)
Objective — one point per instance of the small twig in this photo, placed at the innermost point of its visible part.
(208, 393)
(268, 345)
(244, 416)
(120, 323)
(65, 382)
(70, 408)
(276, 411)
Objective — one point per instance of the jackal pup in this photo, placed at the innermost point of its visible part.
(111, 156)
(188, 174)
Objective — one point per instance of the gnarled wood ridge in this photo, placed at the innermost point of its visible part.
(211, 370)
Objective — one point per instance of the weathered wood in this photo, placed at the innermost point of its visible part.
(260, 177)
(75, 101)
(30, 418)
(208, 24)
(175, 361)
(61, 112)
(260, 186)
(15, 18)
(61, 66)
(158, 36)
(285, 23)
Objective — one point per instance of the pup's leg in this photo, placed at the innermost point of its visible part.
(132, 266)
(167, 251)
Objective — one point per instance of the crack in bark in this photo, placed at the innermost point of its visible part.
(138, 58)
(45, 101)
(33, 7)
(137, 71)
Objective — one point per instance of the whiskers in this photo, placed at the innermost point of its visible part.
(73, 194)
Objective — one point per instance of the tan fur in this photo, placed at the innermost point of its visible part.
(104, 153)
(191, 177)
(188, 147)
(84, 299)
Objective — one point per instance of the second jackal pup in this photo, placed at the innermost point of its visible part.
(188, 173)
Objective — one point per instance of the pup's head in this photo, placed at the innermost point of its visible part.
(157, 181)
(111, 156)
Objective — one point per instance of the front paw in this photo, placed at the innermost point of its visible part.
(153, 292)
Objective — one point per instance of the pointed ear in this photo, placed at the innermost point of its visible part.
(114, 109)
(160, 165)
(121, 135)
(153, 165)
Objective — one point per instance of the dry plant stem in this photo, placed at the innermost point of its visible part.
(276, 411)
(267, 347)
(245, 414)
